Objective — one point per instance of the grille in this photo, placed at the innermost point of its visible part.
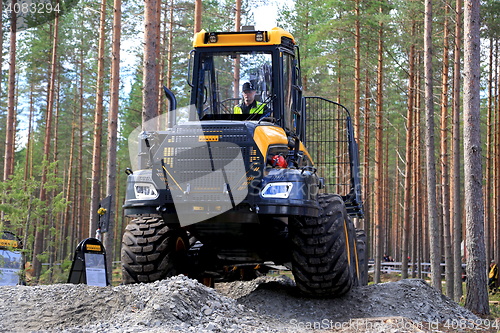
(287, 43)
(328, 143)
(188, 159)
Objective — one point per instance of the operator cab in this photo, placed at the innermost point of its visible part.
(224, 62)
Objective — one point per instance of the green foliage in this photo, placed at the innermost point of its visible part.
(20, 198)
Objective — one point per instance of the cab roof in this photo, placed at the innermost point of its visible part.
(244, 38)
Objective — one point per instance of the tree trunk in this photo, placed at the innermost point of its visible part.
(14, 125)
(64, 232)
(357, 74)
(96, 154)
(444, 163)
(197, 16)
(1, 43)
(408, 163)
(366, 159)
(477, 293)
(497, 166)
(420, 198)
(162, 46)
(81, 202)
(415, 194)
(496, 133)
(457, 223)
(28, 144)
(38, 246)
(395, 210)
(9, 144)
(487, 202)
(159, 82)
(170, 45)
(108, 237)
(52, 225)
(378, 216)
(116, 244)
(429, 151)
(496, 162)
(150, 83)
(387, 205)
(236, 76)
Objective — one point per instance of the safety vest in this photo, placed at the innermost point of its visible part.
(258, 109)
(494, 272)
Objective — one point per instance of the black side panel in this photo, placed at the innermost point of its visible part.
(330, 142)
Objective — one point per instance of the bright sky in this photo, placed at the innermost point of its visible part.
(266, 15)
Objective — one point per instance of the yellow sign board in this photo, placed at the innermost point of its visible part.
(208, 138)
(91, 247)
(7, 242)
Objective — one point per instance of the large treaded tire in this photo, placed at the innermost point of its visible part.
(362, 262)
(151, 251)
(320, 263)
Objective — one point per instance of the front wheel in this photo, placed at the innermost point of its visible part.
(320, 260)
(152, 251)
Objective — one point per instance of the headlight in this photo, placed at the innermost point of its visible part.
(145, 191)
(277, 190)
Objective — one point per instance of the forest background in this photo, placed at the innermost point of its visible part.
(367, 55)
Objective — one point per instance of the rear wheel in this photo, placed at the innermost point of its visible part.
(152, 251)
(320, 260)
(362, 261)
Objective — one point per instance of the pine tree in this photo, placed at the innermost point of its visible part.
(429, 143)
(457, 222)
(112, 133)
(38, 246)
(477, 294)
(96, 155)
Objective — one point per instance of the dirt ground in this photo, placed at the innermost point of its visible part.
(266, 304)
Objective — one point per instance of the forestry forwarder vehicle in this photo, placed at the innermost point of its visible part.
(224, 196)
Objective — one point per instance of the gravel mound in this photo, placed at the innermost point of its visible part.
(413, 299)
(266, 304)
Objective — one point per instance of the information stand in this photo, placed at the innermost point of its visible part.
(89, 264)
(10, 261)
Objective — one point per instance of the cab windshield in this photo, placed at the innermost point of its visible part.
(235, 85)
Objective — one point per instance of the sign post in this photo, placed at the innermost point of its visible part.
(10, 261)
(89, 264)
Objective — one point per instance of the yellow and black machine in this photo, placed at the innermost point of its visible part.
(237, 185)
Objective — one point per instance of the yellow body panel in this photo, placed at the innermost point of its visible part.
(241, 39)
(265, 136)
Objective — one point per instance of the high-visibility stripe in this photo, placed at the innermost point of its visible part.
(259, 109)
